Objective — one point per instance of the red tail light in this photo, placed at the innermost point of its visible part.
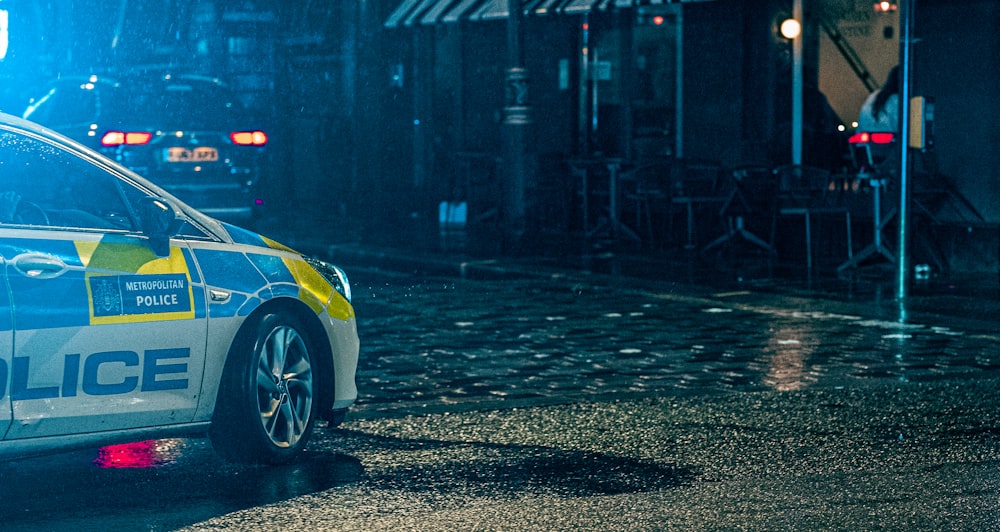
(248, 138)
(117, 138)
(883, 138)
(874, 138)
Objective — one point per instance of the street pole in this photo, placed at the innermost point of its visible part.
(516, 120)
(797, 84)
(905, 164)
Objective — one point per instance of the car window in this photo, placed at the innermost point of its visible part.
(43, 185)
(64, 105)
(134, 195)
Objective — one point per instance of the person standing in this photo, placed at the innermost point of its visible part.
(880, 113)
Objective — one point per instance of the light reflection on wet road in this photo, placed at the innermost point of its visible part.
(445, 341)
(432, 346)
(153, 485)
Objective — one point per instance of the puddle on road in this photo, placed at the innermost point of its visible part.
(161, 484)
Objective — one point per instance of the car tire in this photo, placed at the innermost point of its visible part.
(266, 407)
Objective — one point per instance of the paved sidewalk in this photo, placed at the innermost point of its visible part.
(873, 288)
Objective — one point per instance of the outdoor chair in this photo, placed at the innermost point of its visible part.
(646, 189)
(695, 186)
(809, 192)
(750, 202)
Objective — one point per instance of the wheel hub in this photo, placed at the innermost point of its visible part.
(282, 393)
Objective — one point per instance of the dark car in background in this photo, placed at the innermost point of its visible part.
(189, 134)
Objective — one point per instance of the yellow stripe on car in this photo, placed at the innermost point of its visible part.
(155, 281)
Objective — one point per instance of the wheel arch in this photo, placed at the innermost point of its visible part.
(315, 335)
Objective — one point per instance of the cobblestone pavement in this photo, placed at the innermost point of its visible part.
(442, 342)
(569, 402)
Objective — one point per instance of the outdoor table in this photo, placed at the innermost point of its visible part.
(582, 167)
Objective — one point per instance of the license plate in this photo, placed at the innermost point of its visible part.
(200, 154)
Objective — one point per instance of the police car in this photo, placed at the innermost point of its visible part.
(127, 315)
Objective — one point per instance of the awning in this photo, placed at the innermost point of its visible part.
(428, 12)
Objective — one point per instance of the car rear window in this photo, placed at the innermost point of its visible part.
(180, 105)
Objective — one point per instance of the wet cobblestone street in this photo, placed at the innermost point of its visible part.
(442, 341)
(571, 402)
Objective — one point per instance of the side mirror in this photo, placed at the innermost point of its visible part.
(159, 222)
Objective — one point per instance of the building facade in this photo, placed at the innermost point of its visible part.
(384, 108)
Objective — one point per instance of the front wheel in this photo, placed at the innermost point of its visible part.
(266, 407)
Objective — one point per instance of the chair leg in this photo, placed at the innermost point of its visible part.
(690, 225)
(850, 245)
(809, 252)
(649, 220)
(637, 208)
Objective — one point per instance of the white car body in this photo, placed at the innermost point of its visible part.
(113, 332)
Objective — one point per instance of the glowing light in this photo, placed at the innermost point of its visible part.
(884, 7)
(4, 34)
(790, 28)
(117, 138)
(248, 138)
(865, 137)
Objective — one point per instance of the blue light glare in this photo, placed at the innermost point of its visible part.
(4, 34)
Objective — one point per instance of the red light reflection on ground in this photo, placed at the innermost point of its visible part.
(136, 455)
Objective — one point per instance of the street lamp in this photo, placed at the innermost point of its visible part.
(789, 28)
(516, 127)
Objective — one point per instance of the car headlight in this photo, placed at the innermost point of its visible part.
(333, 275)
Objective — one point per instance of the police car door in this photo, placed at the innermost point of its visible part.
(107, 335)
